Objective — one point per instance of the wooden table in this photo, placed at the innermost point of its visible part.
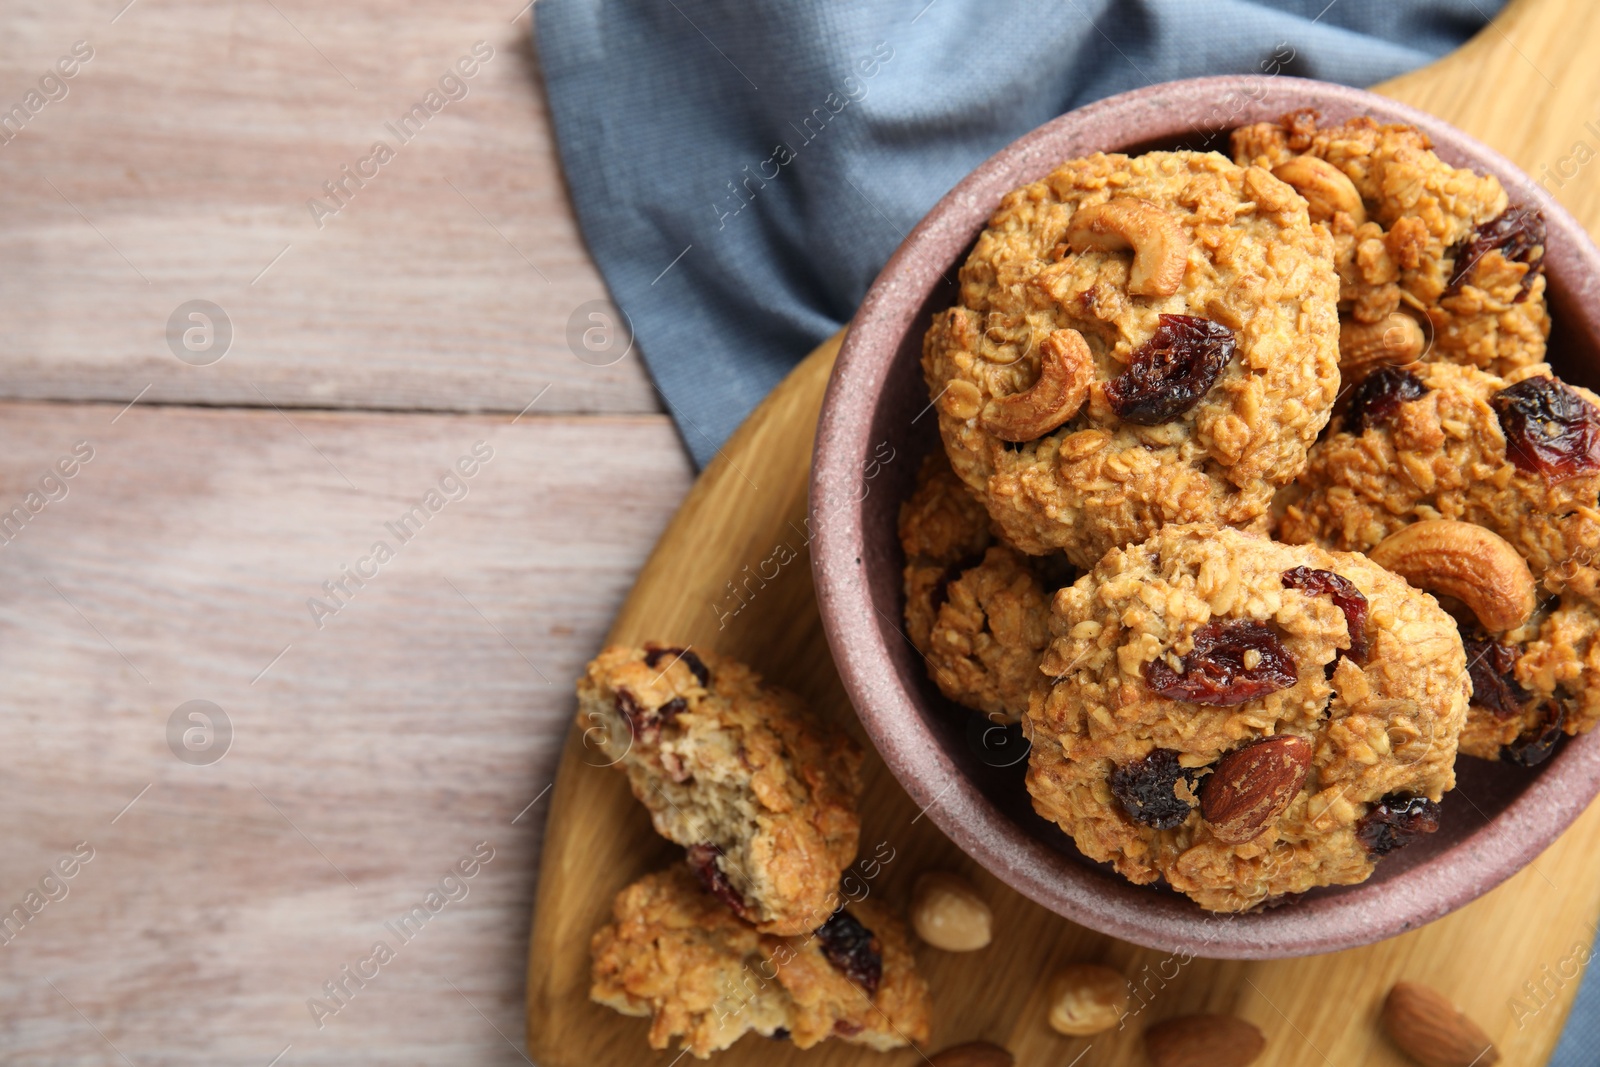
(422, 718)
(373, 753)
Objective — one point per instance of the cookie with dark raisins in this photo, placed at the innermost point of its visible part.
(1137, 340)
(1226, 709)
(760, 791)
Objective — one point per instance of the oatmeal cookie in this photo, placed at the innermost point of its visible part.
(1519, 456)
(761, 792)
(977, 610)
(1242, 718)
(1434, 262)
(675, 953)
(1137, 341)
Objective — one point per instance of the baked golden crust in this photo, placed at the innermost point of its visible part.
(1420, 213)
(1443, 456)
(762, 792)
(674, 952)
(977, 610)
(1387, 726)
(1253, 263)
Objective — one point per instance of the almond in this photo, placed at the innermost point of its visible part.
(1431, 1030)
(1252, 785)
(1203, 1041)
(973, 1054)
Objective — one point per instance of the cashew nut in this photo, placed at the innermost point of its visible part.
(1471, 563)
(1160, 245)
(1395, 339)
(1065, 370)
(1327, 189)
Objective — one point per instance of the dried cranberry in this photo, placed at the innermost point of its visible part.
(1550, 430)
(1346, 597)
(1214, 671)
(646, 723)
(702, 674)
(1379, 396)
(1490, 665)
(1518, 232)
(852, 949)
(1394, 821)
(1171, 371)
(1147, 789)
(703, 861)
(629, 708)
(1535, 746)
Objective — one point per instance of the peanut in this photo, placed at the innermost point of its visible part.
(947, 913)
(1086, 998)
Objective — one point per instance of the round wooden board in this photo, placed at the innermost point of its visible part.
(732, 574)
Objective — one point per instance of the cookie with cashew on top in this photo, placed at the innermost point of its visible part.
(1137, 341)
(1244, 719)
(1434, 261)
(761, 792)
(977, 609)
(1481, 490)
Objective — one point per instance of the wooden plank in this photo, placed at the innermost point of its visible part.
(1314, 1011)
(179, 166)
(422, 718)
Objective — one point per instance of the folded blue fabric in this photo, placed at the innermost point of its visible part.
(742, 170)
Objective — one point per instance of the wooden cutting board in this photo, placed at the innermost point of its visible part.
(751, 502)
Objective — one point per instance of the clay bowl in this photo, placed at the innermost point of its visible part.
(968, 775)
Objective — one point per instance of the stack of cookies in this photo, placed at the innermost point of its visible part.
(1258, 502)
(750, 932)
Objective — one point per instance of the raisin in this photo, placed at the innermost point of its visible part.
(1214, 671)
(702, 674)
(646, 723)
(1518, 232)
(780, 1034)
(1171, 372)
(1379, 396)
(670, 711)
(629, 708)
(1535, 746)
(1490, 665)
(852, 949)
(1346, 597)
(703, 861)
(1147, 789)
(1550, 430)
(1394, 821)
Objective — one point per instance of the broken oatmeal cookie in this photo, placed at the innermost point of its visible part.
(761, 793)
(675, 953)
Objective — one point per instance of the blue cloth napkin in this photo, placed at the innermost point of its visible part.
(742, 170)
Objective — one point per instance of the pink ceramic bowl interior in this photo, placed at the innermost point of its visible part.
(969, 775)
